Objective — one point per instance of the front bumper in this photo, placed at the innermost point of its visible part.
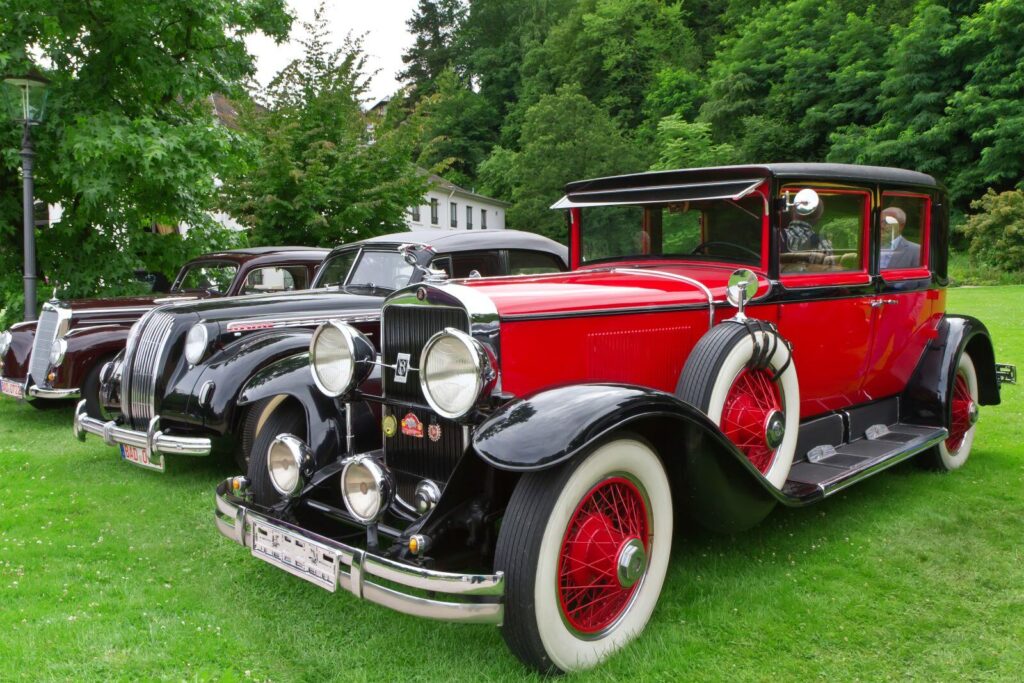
(153, 440)
(360, 572)
(31, 391)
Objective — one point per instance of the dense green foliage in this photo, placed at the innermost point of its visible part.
(130, 139)
(110, 572)
(996, 231)
(321, 174)
(932, 85)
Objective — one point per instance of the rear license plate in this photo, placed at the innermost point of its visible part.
(11, 388)
(300, 556)
(141, 457)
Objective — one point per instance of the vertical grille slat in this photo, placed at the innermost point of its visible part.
(46, 334)
(406, 329)
(142, 368)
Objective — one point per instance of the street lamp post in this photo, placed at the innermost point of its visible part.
(27, 97)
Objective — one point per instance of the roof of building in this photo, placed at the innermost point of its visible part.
(439, 183)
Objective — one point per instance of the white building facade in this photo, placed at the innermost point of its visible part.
(450, 207)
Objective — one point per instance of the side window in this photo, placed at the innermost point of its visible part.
(829, 240)
(274, 279)
(532, 263)
(443, 263)
(904, 230)
(487, 263)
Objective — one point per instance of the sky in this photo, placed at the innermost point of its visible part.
(383, 22)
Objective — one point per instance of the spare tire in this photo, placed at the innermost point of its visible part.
(741, 375)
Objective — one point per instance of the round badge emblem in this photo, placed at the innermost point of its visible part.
(390, 425)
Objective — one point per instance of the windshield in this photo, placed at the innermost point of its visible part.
(383, 269)
(721, 229)
(208, 276)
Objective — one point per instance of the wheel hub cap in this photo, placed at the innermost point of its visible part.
(775, 429)
(632, 562)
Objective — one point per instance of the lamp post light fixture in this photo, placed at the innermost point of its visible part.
(26, 95)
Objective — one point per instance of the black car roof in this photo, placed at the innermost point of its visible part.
(451, 241)
(250, 253)
(848, 172)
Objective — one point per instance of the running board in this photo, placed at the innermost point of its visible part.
(845, 465)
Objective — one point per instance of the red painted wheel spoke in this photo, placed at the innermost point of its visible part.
(590, 595)
(960, 409)
(753, 397)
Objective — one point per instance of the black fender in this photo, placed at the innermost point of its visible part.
(926, 398)
(713, 480)
(231, 368)
(290, 378)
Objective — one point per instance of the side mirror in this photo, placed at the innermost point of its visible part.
(741, 288)
(805, 202)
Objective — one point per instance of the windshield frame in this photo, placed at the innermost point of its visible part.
(356, 261)
(176, 286)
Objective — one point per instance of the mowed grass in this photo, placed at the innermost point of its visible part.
(111, 572)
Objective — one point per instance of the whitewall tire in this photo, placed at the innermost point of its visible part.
(952, 453)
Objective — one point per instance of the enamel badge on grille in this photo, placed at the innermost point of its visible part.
(390, 425)
(411, 426)
(402, 369)
(434, 432)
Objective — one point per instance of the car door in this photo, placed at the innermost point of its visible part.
(907, 308)
(825, 306)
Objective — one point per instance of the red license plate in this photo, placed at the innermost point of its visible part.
(11, 388)
(141, 457)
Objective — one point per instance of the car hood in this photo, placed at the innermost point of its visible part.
(116, 309)
(269, 307)
(618, 288)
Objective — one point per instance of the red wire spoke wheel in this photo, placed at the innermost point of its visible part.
(962, 409)
(750, 416)
(951, 453)
(604, 554)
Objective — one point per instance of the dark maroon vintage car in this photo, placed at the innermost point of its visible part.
(60, 355)
(728, 340)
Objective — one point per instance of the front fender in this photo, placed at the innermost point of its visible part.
(228, 371)
(86, 347)
(926, 398)
(290, 378)
(715, 482)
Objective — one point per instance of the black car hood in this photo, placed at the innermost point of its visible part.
(311, 303)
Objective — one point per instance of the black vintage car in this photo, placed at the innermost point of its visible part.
(202, 372)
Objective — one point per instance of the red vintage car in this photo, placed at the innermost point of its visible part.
(60, 356)
(729, 339)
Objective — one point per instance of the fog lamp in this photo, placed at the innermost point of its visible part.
(366, 488)
(286, 460)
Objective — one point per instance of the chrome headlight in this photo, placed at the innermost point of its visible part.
(196, 342)
(340, 357)
(455, 370)
(286, 459)
(57, 351)
(366, 488)
(5, 341)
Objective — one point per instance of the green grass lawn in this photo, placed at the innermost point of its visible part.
(112, 572)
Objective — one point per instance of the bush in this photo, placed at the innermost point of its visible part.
(996, 231)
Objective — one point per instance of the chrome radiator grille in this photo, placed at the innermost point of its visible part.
(406, 329)
(46, 333)
(142, 368)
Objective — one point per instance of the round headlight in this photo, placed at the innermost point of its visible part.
(454, 370)
(340, 357)
(366, 488)
(196, 342)
(285, 460)
(57, 352)
(5, 342)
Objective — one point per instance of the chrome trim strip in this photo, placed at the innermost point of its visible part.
(249, 324)
(682, 278)
(39, 392)
(114, 310)
(152, 439)
(234, 520)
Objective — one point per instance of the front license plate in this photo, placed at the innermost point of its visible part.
(306, 559)
(141, 457)
(11, 388)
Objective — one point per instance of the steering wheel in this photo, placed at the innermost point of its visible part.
(702, 248)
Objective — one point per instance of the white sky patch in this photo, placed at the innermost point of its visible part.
(383, 22)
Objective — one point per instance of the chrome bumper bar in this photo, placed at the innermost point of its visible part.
(153, 440)
(40, 392)
(358, 570)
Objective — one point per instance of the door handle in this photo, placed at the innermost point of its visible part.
(875, 303)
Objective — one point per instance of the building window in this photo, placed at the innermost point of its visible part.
(469, 217)
(416, 213)
(483, 219)
(433, 212)
(454, 213)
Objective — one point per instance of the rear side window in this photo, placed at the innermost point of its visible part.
(904, 231)
(830, 240)
(274, 279)
(532, 263)
(486, 263)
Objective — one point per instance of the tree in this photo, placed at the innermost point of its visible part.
(437, 46)
(565, 137)
(130, 138)
(323, 171)
(996, 230)
(689, 145)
